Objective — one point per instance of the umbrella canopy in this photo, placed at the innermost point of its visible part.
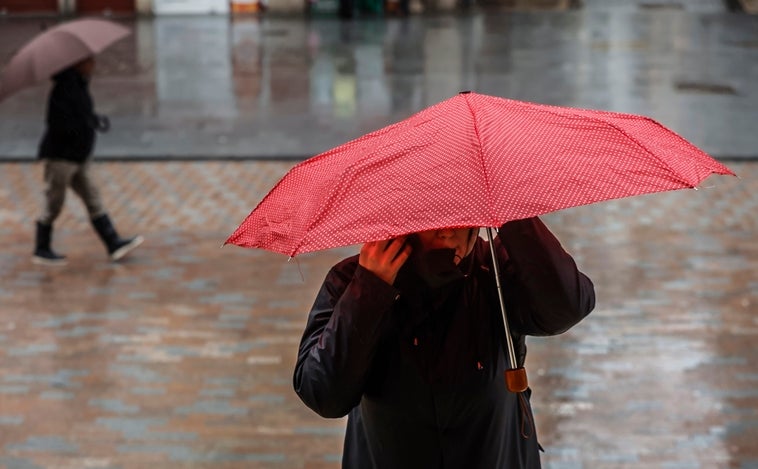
(56, 49)
(470, 161)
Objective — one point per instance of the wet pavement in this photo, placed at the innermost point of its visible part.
(182, 355)
(282, 87)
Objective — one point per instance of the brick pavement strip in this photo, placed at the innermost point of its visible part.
(182, 355)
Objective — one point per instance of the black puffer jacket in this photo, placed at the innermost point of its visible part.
(71, 119)
(420, 372)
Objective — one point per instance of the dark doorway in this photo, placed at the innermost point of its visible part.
(29, 6)
(105, 6)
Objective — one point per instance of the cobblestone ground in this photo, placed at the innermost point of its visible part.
(182, 355)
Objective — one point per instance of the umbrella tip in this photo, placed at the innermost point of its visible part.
(464, 92)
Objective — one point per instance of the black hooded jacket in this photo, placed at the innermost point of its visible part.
(419, 371)
(71, 119)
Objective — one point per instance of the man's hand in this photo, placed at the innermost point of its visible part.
(384, 258)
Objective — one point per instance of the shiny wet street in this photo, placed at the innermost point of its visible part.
(182, 356)
(286, 87)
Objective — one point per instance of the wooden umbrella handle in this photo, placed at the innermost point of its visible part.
(515, 379)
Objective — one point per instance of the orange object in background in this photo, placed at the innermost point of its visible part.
(246, 6)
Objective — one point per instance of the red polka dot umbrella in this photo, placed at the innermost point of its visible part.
(470, 161)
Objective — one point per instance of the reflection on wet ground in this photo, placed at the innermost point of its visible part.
(285, 87)
(182, 356)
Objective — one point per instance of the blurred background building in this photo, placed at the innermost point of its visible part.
(231, 7)
(327, 7)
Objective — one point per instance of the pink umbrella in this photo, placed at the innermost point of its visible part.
(470, 161)
(56, 49)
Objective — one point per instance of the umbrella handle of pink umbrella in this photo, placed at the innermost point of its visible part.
(496, 267)
(515, 379)
(515, 376)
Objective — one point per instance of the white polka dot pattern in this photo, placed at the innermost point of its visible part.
(471, 160)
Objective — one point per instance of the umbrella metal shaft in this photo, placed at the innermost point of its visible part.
(496, 266)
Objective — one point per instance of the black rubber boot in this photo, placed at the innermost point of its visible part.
(43, 253)
(117, 247)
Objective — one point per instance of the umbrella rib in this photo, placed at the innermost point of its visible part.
(318, 215)
(488, 192)
(89, 48)
(637, 142)
(679, 137)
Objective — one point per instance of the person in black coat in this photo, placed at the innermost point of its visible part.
(66, 149)
(407, 340)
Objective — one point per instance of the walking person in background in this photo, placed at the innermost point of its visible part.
(66, 149)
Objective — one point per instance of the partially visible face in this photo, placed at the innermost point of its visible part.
(86, 67)
(448, 238)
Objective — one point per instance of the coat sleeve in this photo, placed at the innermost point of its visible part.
(348, 318)
(545, 292)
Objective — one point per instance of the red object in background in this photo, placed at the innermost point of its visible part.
(110, 6)
(29, 6)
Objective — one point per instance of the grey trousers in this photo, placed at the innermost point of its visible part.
(58, 176)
